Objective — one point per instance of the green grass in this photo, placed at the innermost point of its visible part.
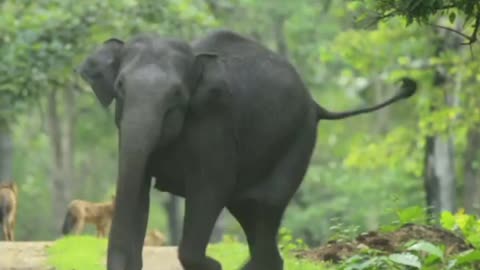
(232, 255)
(78, 252)
(88, 253)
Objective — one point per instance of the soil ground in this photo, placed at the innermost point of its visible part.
(390, 242)
(32, 256)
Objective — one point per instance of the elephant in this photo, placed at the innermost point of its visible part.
(222, 121)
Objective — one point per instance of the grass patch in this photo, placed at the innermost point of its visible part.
(88, 253)
(232, 255)
(78, 252)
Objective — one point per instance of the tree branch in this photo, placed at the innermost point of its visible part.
(465, 36)
(473, 36)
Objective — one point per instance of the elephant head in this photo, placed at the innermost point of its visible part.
(152, 76)
(156, 83)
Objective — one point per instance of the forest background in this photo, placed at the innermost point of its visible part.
(58, 144)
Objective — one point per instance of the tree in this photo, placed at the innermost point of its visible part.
(424, 11)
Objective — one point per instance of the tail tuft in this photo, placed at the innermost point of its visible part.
(408, 88)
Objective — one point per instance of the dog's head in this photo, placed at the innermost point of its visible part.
(10, 185)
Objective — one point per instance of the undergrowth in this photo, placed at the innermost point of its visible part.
(421, 254)
(88, 253)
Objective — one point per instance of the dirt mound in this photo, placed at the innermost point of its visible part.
(391, 242)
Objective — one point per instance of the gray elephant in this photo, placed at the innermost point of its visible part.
(222, 122)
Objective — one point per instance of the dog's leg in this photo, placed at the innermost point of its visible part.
(100, 229)
(99, 234)
(78, 228)
(6, 233)
(10, 231)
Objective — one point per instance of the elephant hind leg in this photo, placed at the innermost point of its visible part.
(260, 217)
(200, 217)
(260, 224)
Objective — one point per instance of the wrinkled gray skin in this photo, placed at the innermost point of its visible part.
(223, 122)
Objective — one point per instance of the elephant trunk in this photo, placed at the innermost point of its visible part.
(140, 129)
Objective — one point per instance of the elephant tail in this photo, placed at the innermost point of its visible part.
(408, 88)
(68, 223)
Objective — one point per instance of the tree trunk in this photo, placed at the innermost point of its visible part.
(68, 138)
(446, 155)
(6, 152)
(471, 172)
(439, 164)
(430, 182)
(445, 172)
(172, 205)
(439, 177)
(60, 187)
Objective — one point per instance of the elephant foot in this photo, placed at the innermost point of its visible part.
(270, 265)
(206, 263)
(123, 261)
(117, 260)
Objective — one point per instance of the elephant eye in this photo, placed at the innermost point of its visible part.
(119, 84)
(97, 75)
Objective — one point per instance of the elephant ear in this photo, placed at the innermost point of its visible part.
(101, 68)
(208, 82)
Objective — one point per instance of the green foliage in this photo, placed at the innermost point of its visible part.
(232, 254)
(363, 262)
(333, 202)
(414, 214)
(78, 252)
(428, 248)
(467, 225)
(361, 168)
(422, 254)
(288, 243)
(406, 259)
(421, 11)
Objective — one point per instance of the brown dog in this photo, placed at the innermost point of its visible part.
(8, 209)
(81, 212)
(154, 238)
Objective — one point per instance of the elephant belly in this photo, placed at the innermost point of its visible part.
(169, 185)
(168, 172)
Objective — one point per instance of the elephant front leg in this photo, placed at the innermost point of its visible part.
(128, 231)
(128, 226)
(206, 196)
(201, 212)
(132, 194)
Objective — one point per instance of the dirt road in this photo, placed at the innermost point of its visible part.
(32, 256)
